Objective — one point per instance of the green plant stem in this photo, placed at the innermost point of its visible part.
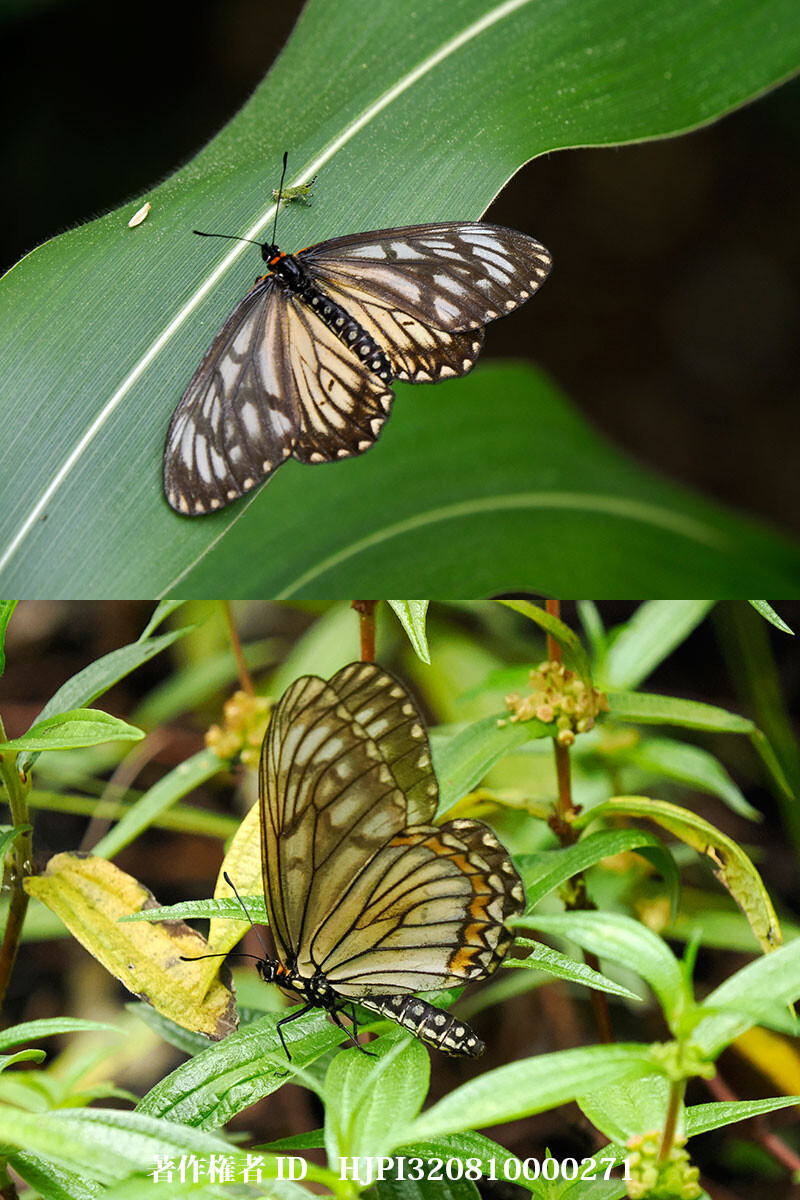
(668, 1137)
(562, 826)
(245, 678)
(17, 788)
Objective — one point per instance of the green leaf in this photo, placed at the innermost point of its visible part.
(729, 862)
(454, 112)
(575, 656)
(623, 940)
(628, 1108)
(170, 788)
(48, 1027)
(365, 1097)
(691, 765)
(769, 981)
(701, 1118)
(85, 687)
(52, 1182)
(530, 1085)
(461, 761)
(6, 609)
(196, 909)
(648, 638)
(8, 834)
(648, 708)
(543, 873)
(70, 730)
(411, 615)
(248, 1065)
(7, 1060)
(163, 609)
(768, 613)
(104, 1144)
(544, 958)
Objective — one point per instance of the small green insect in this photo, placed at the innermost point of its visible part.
(301, 193)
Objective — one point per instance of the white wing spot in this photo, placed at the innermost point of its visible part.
(249, 414)
(449, 284)
(183, 504)
(445, 310)
(248, 483)
(417, 731)
(231, 494)
(215, 503)
(466, 363)
(446, 371)
(405, 250)
(316, 457)
(364, 445)
(371, 251)
(511, 304)
(266, 465)
(485, 239)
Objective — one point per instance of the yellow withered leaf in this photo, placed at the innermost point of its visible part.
(90, 895)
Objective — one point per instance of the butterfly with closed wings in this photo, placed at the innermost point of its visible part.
(368, 902)
(303, 366)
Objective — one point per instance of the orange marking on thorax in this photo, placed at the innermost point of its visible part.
(276, 258)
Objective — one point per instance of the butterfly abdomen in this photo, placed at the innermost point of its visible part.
(332, 314)
(428, 1023)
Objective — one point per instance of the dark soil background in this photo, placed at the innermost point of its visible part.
(671, 317)
(49, 642)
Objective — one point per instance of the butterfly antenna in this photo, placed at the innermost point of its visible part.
(231, 884)
(221, 954)
(232, 237)
(280, 193)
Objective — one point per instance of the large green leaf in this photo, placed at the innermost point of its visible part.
(414, 114)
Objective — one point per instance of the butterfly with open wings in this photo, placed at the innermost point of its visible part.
(303, 366)
(368, 902)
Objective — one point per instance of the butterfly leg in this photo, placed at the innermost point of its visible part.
(351, 1033)
(301, 1012)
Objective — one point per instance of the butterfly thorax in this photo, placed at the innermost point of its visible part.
(295, 279)
(316, 990)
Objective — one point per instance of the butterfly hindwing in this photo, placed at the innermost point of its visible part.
(342, 405)
(429, 912)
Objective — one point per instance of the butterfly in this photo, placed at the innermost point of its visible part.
(368, 902)
(304, 364)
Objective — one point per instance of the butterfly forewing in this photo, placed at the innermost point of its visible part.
(421, 289)
(239, 418)
(341, 773)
